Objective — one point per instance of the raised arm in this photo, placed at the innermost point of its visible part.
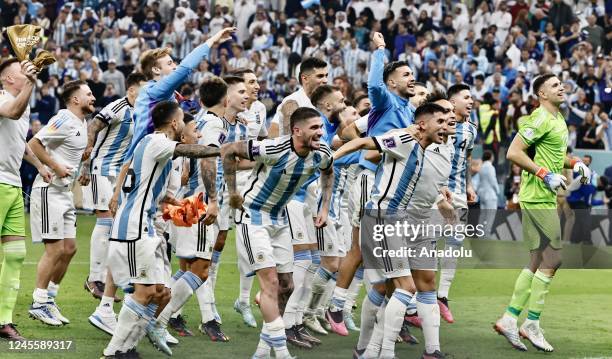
(377, 90)
(366, 143)
(195, 151)
(14, 108)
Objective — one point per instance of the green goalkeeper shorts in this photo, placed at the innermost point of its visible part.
(541, 225)
(12, 218)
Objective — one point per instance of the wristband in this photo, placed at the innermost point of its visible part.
(542, 172)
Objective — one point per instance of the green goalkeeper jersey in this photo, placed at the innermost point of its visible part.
(546, 136)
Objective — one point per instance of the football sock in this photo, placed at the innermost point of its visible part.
(521, 294)
(40, 295)
(447, 273)
(14, 254)
(274, 336)
(371, 303)
(307, 290)
(539, 289)
(246, 284)
(181, 291)
(394, 318)
(53, 289)
(129, 323)
(205, 301)
(327, 294)
(98, 250)
(179, 273)
(351, 293)
(302, 261)
(429, 312)
(106, 303)
(319, 283)
(373, 348)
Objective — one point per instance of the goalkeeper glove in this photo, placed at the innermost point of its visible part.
(553, 181)
(582, 169)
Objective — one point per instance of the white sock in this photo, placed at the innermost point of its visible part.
(98, 249)
(374, 346)
(181, 291)
(53, 289)
(246, 284)
(205, 301)
(447, 273)
(179, 273)
(319, 283)
(274, 335)
(394, 318)
(40, 295)
(307, 289)
(371, 303)
(429, 312)
(130, 320)
(327, 294)
(106, 303)
(351, 293)
(302, 261)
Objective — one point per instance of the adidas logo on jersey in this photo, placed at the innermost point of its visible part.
(437, 149)
(78, 133)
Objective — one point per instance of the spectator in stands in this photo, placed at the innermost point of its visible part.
(487, 190)
(580, 201)
(114, 77)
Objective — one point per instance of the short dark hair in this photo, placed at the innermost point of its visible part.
(135, 78)
(162, 113)
(233, 79)
(302, 114)
(212, 91)
(436, 96)
(455, 89)
(417, 83)
(321, 92)
(358, 99)
(487, 155)
(391, 67)
(242, 71)
(187, 117)
(70, 88)
(310, 64)
(540, 80)
(6, 63)
(428, 108)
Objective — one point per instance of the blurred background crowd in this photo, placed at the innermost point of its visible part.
(498, 47)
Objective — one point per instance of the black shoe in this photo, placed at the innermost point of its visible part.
(305, 334)
(9, 332)
(337, 317)
(214, 332)
(117, 355)
(180, 326)
(406, 336)
(132, 354)
(435, 355)
(95, 288)
(357, 353)
(294, 338)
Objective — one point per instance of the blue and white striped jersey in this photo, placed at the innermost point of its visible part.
(144, 186)
(340, 186)
(460, 144)
(278, 174)
(113, 140)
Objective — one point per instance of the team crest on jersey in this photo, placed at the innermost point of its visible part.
(389, 142)
(300, 235)
(257, 119)
(260, 257)
(222, 137)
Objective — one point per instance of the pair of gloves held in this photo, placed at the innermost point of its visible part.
(554, 181)
(188, 213)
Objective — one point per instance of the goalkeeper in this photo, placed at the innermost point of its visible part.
(540, 150)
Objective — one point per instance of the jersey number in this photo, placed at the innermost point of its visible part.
(461, 145)
(128, 184)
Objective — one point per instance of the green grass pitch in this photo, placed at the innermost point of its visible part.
(577, 318)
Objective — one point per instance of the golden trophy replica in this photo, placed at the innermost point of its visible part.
(23, 38)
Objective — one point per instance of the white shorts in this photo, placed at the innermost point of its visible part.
(192, 242)
(329, 241)
(264, 246)
(137, 262)
(301, 224)
(52, 214)
(101, 189)
(360, 195)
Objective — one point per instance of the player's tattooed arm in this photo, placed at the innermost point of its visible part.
(195, 151)
(208, 171)
(170, 199)
(327, 181)
(96, 125)
(287, 110)
(231, 153)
